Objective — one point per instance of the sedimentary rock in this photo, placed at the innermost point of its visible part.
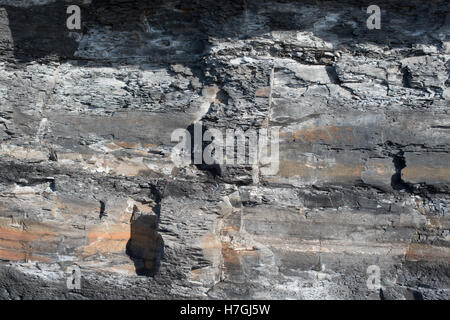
(87, 178)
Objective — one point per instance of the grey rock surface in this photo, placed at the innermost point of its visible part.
(87, 179)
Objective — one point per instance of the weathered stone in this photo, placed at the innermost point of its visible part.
(87, 179)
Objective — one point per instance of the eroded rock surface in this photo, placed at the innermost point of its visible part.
(86, 176)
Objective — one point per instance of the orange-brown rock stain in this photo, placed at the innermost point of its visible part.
(107, 239)
(426, 174)
(320, 134)
(425, 252)
(25, 244)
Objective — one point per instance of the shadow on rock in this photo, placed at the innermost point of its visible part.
(146, 246)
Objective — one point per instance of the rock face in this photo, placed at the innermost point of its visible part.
(87, 178)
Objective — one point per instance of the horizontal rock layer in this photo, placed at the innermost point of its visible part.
(87, 179)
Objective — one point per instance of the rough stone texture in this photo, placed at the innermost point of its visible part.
(86, 176)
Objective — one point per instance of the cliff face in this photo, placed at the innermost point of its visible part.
(87, 178)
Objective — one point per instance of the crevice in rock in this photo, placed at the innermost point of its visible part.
(197, 148)
(397, 182)
(407, 77)
(102, 209)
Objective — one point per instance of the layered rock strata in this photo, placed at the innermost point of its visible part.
(87, 178)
